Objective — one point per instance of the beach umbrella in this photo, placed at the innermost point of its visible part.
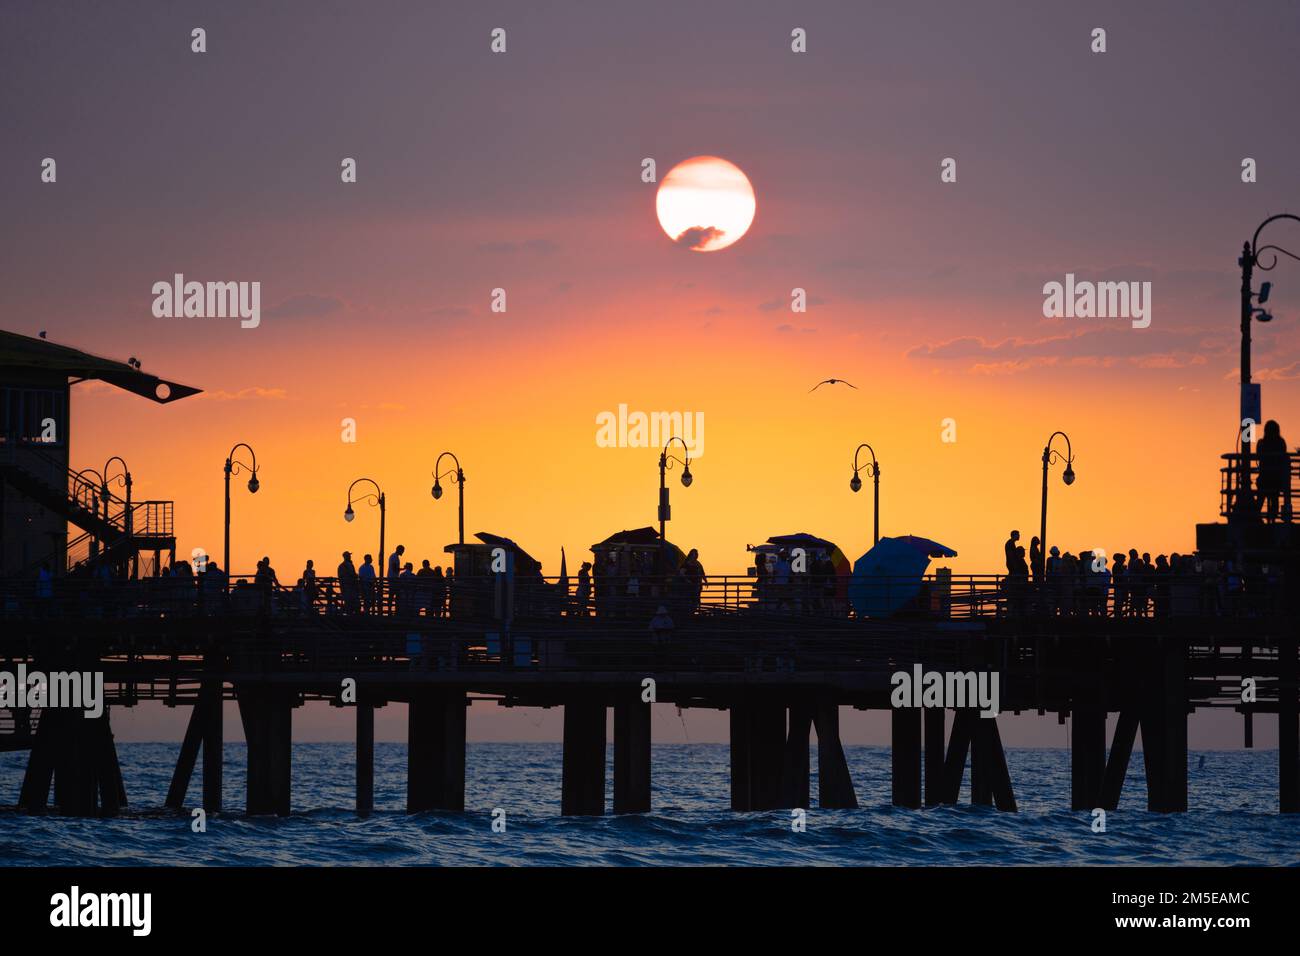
(564, 571)
(839, 559)
(888, 576)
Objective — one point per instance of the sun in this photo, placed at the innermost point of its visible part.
(705, 203)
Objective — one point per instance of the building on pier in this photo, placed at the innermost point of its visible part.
(40, 495)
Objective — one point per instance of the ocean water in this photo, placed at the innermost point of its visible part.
(1233, 818)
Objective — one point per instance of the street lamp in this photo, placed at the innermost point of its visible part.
(374, 499)
(458, 476)
(1250, 403)
(124, 479)
(855, 485)
(96, 499)
(232, 466)
(1049, 457)
(665, 509)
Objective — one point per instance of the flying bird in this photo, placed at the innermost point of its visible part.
(831, 381)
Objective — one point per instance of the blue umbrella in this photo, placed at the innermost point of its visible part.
(889, 575)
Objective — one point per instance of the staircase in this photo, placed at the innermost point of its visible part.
(111, 534)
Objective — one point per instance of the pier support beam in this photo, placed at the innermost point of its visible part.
(1164, 728)
(267, 716)
(905, 750)
(795, 769)
(1288, 728)
(189, 755)
(834, 784)
(757, 753)
(934, 720)
(954, 763)
(631, 755)
(79, 755)
(210, 705)
(365, 757)
(1087, 755)
(990, 778)
(435, 751)
(1121, 750)
(583, 772)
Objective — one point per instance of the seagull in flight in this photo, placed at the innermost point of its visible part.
(831, 381)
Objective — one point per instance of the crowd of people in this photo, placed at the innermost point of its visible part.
(1129, 585)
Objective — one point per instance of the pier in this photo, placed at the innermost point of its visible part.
(780, 676)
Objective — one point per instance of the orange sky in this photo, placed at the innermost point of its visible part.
(523, 172)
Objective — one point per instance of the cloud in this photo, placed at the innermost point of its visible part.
(244, 394)
(305, 307)
(1099, 348)
(698, 236)
(1282, 374)
(787, 329)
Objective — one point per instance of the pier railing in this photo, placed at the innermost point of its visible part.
(1242, 496)
(1211, 590)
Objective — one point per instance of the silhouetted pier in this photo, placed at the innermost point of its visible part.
(780, 674)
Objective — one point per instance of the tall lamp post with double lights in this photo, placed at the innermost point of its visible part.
(232, 467)
(377, 499)
(1049, 457)
(1251, 308)
(855, 484)
(458, 476)
(665, 509)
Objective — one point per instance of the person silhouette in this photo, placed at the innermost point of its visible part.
(1274, 471)
(1010, 549)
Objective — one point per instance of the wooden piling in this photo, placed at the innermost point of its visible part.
(1087, 755)
(758, 739)
(267, 716)
(631, 755)
(210, 702)
(905, 747)
(834, 783)
(34, 796)
(795, 770)
(435, 751)
(365, 757)
(934, 720)
(583, 770)
(1288, 728)
(1121, 751)
(185, 761)
(954, 763)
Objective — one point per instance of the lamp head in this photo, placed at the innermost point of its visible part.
(1068, 475)
(349, 514)
(687, 477)
(855, 483)
(437, 489)
(1264, 290)
(254, 484)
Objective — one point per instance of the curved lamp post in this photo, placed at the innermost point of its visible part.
(665, 509)
(124, 479)
(96, 501)
(458, 476)
(232, 467)
(375, 499)
(1250, 302)
(855, 484)
(1049, 457)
